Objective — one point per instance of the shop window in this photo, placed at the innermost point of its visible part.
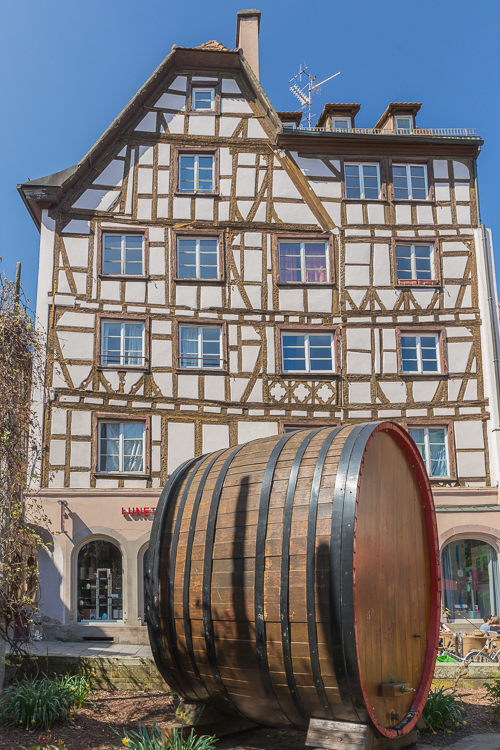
(432, 443)
(410, 182)
(122, 343)
(100, 583)
(122, 254)
(470, 579)
(303, 262)
(362, 181)
(200, 347)
(307, 352)
(121, 447)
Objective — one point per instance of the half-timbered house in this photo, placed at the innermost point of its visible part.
(212, 273)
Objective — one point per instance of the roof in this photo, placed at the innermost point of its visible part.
(336, 108)
(211, 55)
(395, 108)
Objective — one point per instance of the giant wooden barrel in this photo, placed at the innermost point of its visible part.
(297, 577)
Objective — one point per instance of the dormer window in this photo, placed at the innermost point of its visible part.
(203, 99)
(403, 124)
(341, 124)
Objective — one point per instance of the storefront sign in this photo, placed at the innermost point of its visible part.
(138, 512)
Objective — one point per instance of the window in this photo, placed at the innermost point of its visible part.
(341, 124)
(196, 173)
(432, 443)
(415, 262)
(420, 353)
(410, 181)
(123, 254)
(303, 262)
(100, 582)
(469, 579)
(121, 447)
(403, 124)
(197, 257)
(200, 347)
(362, 181)
(122, 343)
(203, 99)
(307, 352)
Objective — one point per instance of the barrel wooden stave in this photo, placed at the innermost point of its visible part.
(235, 684)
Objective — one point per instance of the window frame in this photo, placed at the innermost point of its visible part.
(438, 331)
(216, 88)
(282, 330)
(409, 162)
(447, 425)
(435, 263)
(346, 119)
(366, 163)
(196, 151)
(117, 317)
(406, 131)
(201, 323)
(123, 231)
(330, 255)
(98, 418)
(180, 233)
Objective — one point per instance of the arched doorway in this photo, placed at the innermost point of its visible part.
(470, 579)
(99, 582)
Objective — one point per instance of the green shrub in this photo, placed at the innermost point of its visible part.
(494, 695)
(444, 710)
(37, 704)
(153, 740)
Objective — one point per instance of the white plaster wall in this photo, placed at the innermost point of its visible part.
(255, 129)
(80, 454)
(359, 363)
(283, 186)
(204, 208)
(458, 354)
(454, 267)
(228, 125)
(77, 249)
(443, 191)
(468, 435)
(147, 124)
(164, 382)
(214, 437)
(403, 214)
(424, 390)
(320, 300)
(359, 393)
(187, 386)
(471, 464)
(163, 154)
(112, 175)
(444, 215)
(294, 213)
(81, 423)
(359, 338)
(201, 125)
(211, 296)
(440, 167)
(57, 454)
(235, 105)
(381, 265)
(245, 182)
(395, 392)
(180, 444)
(253, 430)
(182, 208)
(249, 356)
(76, 320)
(110, 290)
(58, 421)
(76, 345)
(97, 200)
(253, 265)
(291, 299)
(461, 171)
(376, 213)
(326, 189)
(354, 213)
(161, 353)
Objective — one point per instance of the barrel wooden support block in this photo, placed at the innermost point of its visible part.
(292, 577)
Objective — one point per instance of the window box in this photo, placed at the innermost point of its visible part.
(362, 181)
(421, 352)
(123, 253)
(435, 443)
(303, 261)
(203, 97)
(122, 342)
(122, 445)
(416, 263)
(199, 257)
(197, 171)
(201, 346)
(308, 351)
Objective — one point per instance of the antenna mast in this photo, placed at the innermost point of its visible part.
(305, 94)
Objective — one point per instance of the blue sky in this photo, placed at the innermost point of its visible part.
(67, 68)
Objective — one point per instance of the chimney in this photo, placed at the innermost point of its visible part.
(247, 37)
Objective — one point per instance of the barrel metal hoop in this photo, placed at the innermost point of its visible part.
(311, 571)
(285, 565)
(187, 575)
(207, 583)
(152, 589)
(336, 575)
(171, 632)
(260, 559)
(347, 564)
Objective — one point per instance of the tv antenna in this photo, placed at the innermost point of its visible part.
(305, 94)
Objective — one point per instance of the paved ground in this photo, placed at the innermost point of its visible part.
(89, 648)
(471, 742)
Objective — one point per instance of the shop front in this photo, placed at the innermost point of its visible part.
(470, 579)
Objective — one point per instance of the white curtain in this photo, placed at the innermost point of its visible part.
(189, 347)
(133, 443)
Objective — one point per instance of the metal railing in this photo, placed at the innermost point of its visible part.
(438, 132)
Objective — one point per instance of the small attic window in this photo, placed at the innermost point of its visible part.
(341, 124)
(403, 124)
(203, 99)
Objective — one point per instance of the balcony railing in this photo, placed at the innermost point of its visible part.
(437, 132)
